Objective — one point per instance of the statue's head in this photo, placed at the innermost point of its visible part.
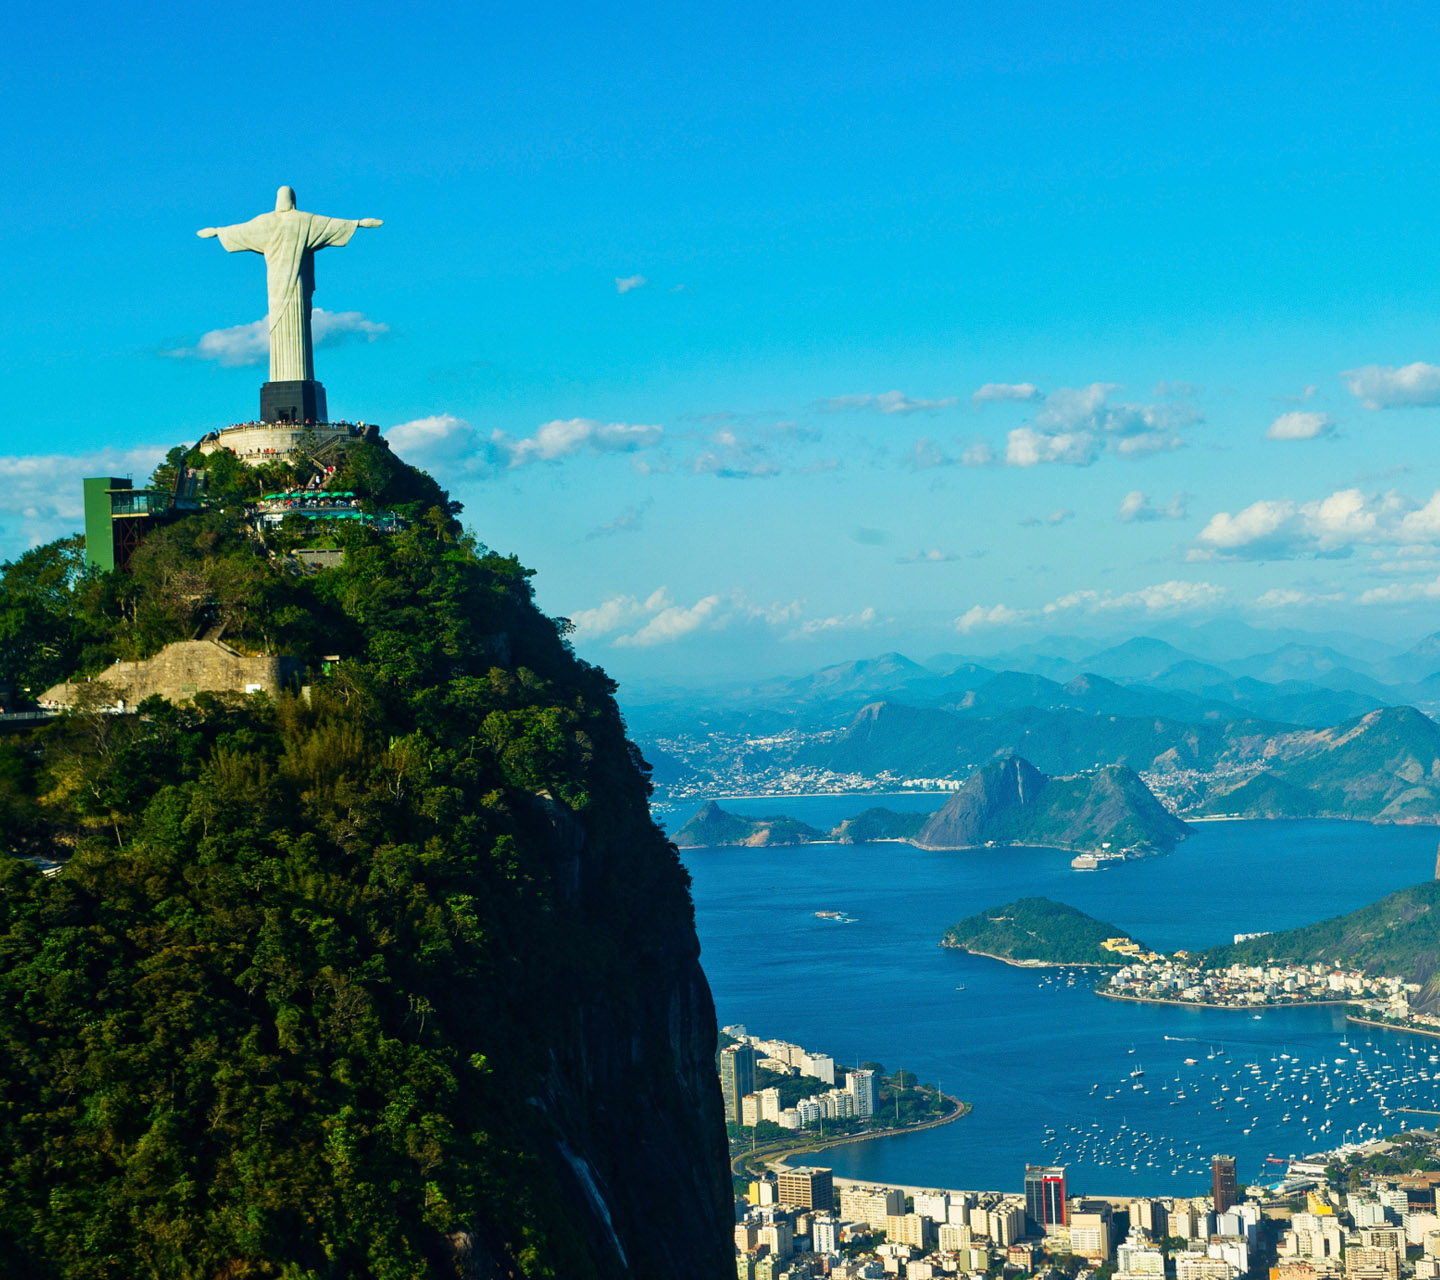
(284, 199)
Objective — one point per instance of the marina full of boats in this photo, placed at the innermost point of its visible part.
(1168, 1106)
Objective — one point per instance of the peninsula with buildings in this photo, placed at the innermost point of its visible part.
(774, 1099)
(1383, 959)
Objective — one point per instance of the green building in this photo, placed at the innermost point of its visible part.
(118, 515)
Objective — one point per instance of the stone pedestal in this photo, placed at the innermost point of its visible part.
(300, 402)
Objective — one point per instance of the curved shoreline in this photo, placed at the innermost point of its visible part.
(1432, 1032)
(1031, 964)
(778, 1156)
(1233, 1008)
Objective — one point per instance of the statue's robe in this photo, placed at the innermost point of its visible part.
(289, 240)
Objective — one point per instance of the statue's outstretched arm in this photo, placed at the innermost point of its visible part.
(364, 222)
(208, 233)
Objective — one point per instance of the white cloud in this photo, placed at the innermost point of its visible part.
(445, 440)
(43, 495)
(1292, 598)
(1026, 447)
(674, 622)
(1163, 598)
(1137, 507)
(732, 455)
(996, 615)
(1300, 425)
(330, 327)
(1401, 593)
(1380, 387)
(867, 617)
(979, 454)
(662, 621)
(1282, 529)
(439, 440)
(1055, 517)
(623, 284)
(889, 402)
(564, 437)
(995, 392)
(247, 344)
(1077, 424)
(617, 612)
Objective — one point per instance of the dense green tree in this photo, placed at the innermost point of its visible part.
(41, 631)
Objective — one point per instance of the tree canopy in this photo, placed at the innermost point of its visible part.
(286, 1007)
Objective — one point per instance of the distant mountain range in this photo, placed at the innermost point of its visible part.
(1008, 802)
(1307, 681)
(1383, 766)
(1321, 726)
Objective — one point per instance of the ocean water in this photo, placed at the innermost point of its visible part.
(1036, 1051)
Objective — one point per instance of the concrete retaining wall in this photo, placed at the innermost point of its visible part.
(180, 671)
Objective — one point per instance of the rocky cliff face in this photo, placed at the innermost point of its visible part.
(636, 1128)
(992, 805)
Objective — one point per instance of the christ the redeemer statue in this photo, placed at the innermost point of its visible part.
(289, 238)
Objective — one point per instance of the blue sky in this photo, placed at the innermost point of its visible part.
(775, 338)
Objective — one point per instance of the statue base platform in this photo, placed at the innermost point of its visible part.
(300, 402)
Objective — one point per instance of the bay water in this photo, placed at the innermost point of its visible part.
(1046, 1063)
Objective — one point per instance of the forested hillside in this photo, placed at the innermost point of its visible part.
(396, 978)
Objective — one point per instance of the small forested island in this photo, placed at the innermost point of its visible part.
(1039, 931)
(879, 824)
(714, 827)
(1009, 802)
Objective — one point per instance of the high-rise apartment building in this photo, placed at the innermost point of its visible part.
(933, 1204)
(806, 1188)
(737, 1077)
(825, 1234)
(1045, 1197)
(913, 1229)
(1223, 1186)
(861, 1086)
(1007, 1224)
(871, 1204)
(779, 1237)
(1090, 1231)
